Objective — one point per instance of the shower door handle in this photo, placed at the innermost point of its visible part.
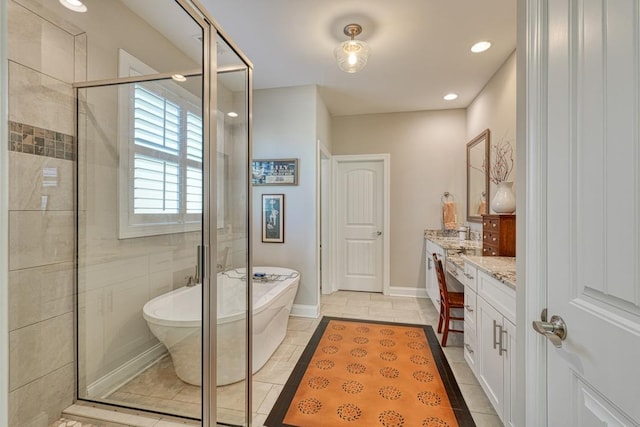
(201, 263)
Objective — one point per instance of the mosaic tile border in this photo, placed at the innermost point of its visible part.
(24, 138)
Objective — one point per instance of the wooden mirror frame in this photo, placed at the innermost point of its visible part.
(483, 138)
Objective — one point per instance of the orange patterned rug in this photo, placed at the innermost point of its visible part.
(364, 373)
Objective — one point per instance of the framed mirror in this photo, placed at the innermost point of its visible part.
(477, 178)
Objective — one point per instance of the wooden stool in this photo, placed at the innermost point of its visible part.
(448, 300)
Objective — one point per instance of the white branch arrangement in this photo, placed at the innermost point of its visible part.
(502, 165)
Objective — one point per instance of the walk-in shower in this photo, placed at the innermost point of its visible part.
(163, 139)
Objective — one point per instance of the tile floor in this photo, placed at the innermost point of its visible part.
(159, 387)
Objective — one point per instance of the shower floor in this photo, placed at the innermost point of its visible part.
(159, 388)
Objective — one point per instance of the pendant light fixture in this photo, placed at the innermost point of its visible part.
(352, 55)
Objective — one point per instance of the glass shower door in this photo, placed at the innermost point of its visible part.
(232, 238)
(163, 161)
(139, 224)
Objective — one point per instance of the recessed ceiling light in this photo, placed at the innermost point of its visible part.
(480, 46)
(75, 5)
(450, 96)
(179, 78)
(232, 114)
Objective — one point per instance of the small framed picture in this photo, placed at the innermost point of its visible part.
(274, 172)
(273, 218)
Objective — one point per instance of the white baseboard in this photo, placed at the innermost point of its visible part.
(402, 291)
(302, 310)
(108, 383)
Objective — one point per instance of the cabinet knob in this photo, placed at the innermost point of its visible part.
(494, 239)
(469, 349)
(493, 225)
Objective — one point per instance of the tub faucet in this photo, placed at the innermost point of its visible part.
(225, 265)
(193, 280)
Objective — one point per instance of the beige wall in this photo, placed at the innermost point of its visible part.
(495, 108)
(427, 159)
(285, 126)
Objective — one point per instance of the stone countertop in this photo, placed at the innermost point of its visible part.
(501, 268)
(451, 242)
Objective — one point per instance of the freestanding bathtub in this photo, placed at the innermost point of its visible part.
(175, 319)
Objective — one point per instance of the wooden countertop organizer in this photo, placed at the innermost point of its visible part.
(498, 235)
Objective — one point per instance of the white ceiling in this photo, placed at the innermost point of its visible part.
(420, 48)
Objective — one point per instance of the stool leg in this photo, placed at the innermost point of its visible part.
(445, 334)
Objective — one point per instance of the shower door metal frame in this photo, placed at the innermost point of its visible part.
(209, 320)
(211, 30)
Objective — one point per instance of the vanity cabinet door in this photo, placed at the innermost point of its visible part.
(470, 348)
(470, 309)
(509, 374)
(490, 363)
(471, 276)
(430, 274)
(496, 359)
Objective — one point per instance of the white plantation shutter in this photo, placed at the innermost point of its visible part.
(156, 186)
(165, 152)
(160, 151)
(194, 166)
(156, 161)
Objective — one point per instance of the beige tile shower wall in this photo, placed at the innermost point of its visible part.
(41, 342)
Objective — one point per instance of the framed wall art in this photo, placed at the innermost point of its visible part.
(273, 218)
(274, 172)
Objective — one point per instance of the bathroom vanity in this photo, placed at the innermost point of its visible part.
(446, 247)
(489, 286)
(490, 326)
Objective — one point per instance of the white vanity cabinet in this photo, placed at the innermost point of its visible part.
(430, 272)
(470, 347)
(470, 316)
(490, 338)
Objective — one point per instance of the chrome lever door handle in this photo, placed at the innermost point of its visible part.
(555, 330)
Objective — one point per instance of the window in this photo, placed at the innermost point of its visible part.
(160, 157)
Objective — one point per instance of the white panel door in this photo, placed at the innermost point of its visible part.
(592, 209)
(360, 224)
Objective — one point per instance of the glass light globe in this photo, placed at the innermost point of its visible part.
(75, 5)
(352, 55)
